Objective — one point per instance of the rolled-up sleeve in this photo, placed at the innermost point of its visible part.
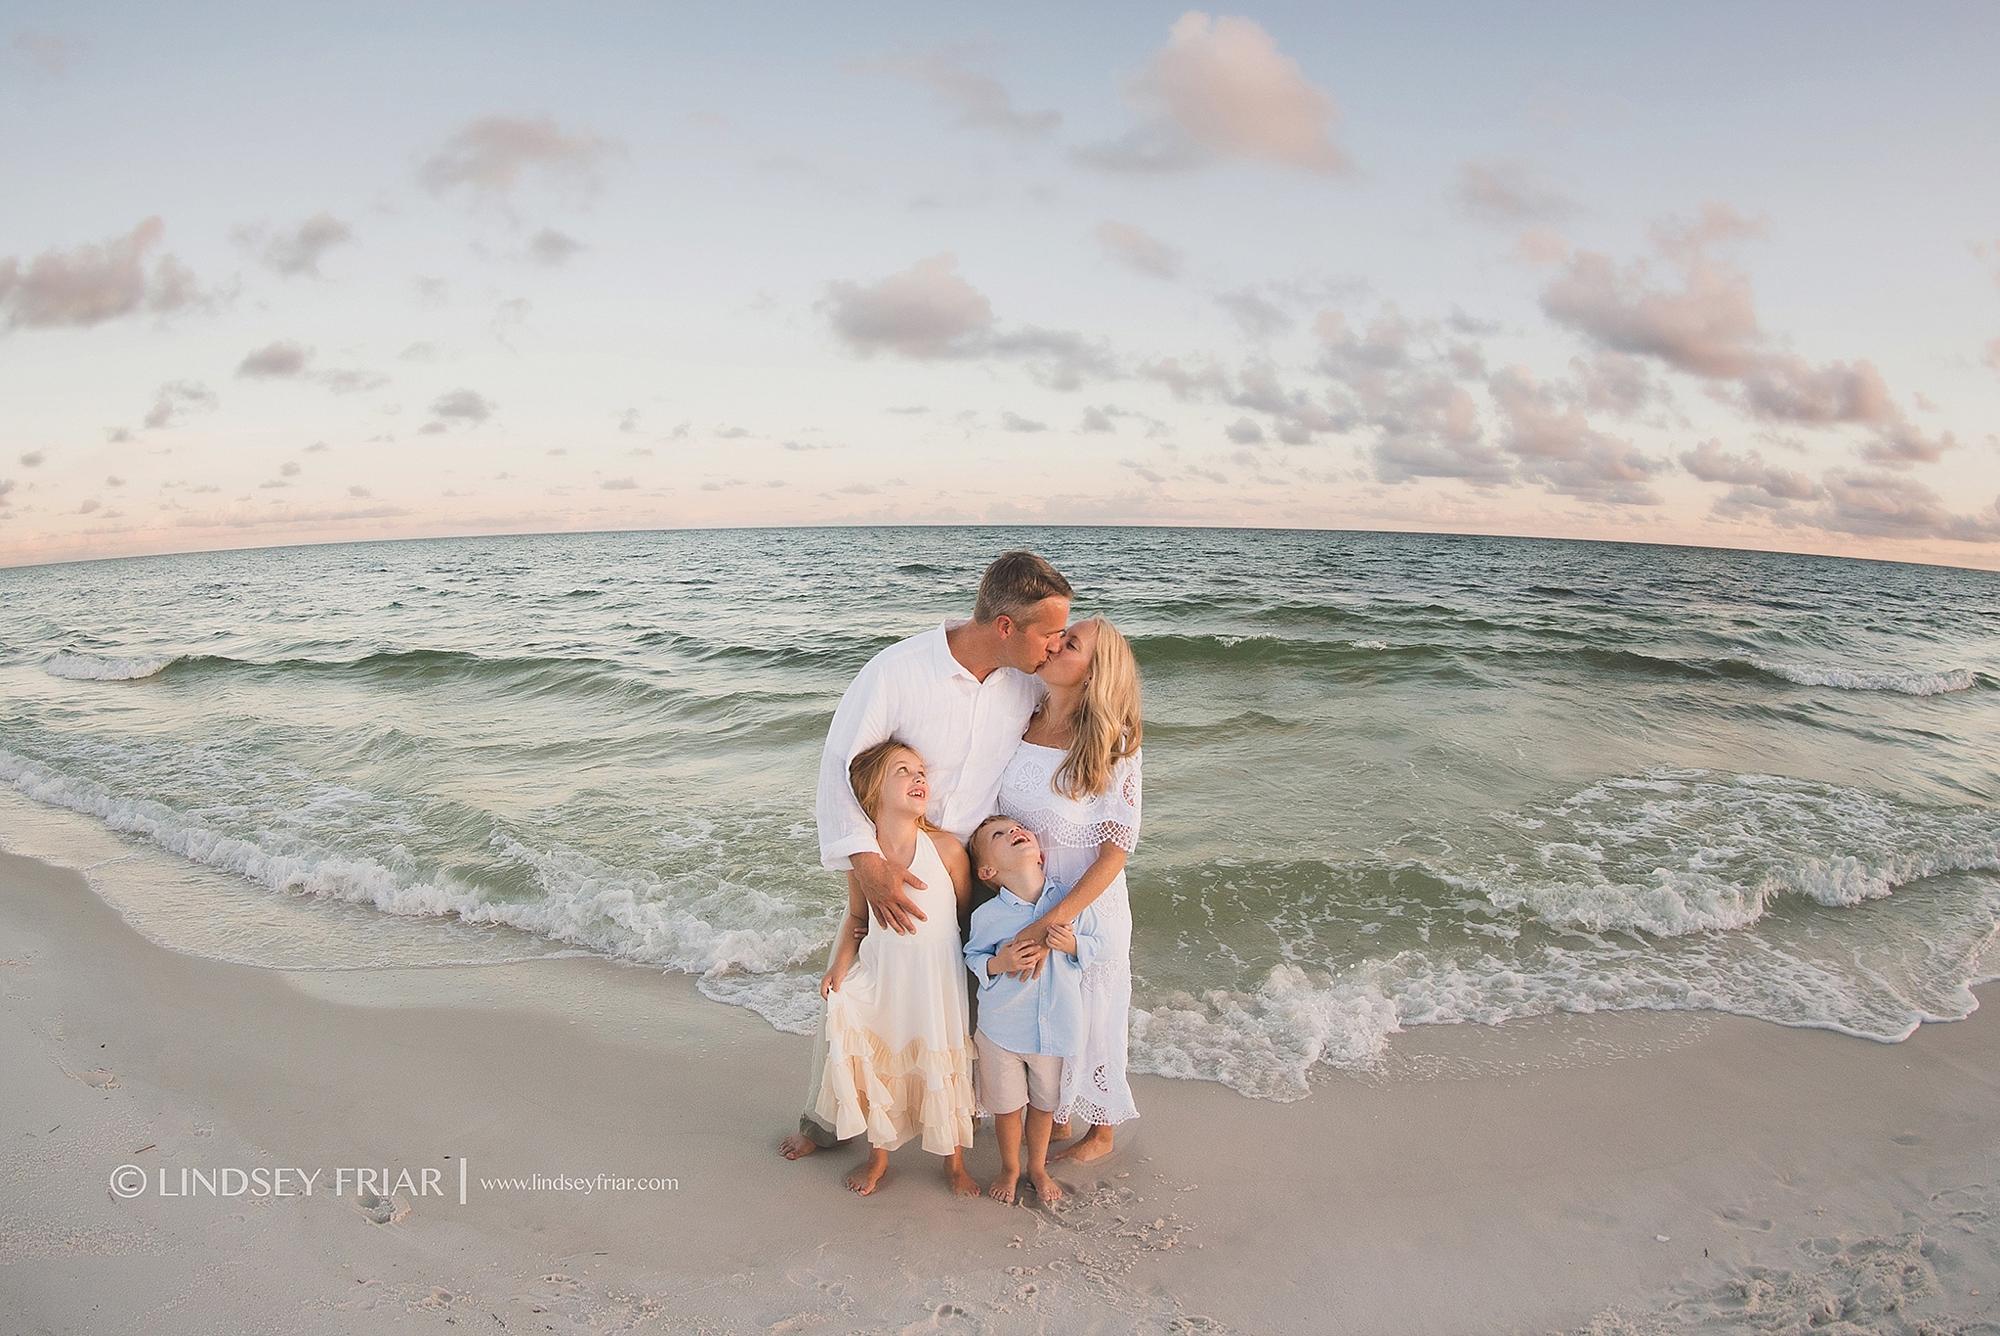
(859, 722)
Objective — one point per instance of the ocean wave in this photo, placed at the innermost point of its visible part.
(1865, 679)
(744, 943)
(107, 668)
(1684, 852)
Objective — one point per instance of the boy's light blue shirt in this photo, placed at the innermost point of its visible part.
(1041, 1015)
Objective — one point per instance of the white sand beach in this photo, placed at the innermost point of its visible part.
(1631, 1172)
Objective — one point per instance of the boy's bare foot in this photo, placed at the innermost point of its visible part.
(1001, 1189)
(869, 1172)
(1095, 1145)
(797, 1146)
(962, 1183)
(1045, 1187)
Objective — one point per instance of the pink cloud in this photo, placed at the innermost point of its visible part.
(1221, 88)
(90, 284)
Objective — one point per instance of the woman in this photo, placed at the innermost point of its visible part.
(1074, 782)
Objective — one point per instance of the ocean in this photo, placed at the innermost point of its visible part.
(1392, 779)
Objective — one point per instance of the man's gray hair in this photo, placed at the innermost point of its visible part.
(1014, 583)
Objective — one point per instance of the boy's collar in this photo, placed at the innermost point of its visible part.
(1049, 886)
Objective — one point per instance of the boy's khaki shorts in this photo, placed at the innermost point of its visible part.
(1007, 1080)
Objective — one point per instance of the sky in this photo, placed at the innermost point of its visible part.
(1710, 273)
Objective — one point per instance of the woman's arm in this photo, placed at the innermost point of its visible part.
(1110, 862)
(847, 943)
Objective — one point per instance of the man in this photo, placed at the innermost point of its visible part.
(961, 695)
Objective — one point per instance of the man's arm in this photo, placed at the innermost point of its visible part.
(846, 835)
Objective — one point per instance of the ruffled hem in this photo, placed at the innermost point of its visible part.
(895, 1095)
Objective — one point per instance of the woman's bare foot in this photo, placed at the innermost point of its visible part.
(1001, 1189)
(1045, 1187)
(797, 1146)
(869, 1172)
(1095, 1145)
(962, 1183)
(1059, 1131)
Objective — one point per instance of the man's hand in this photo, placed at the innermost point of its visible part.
(1018, 958)
(881, 884)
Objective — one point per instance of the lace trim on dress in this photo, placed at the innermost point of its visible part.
(1058, 830)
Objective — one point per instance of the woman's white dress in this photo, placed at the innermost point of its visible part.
(897, 1063)
(1093, 1084)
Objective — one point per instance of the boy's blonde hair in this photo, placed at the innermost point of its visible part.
(868, 769)
(1107, 723)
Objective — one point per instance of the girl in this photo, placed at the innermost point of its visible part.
(1074, 782)
(897, 1064)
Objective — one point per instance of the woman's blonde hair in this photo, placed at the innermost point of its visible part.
(868, 769)
(1107, 723)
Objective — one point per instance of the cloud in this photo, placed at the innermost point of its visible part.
(351, 381)
(48, 50)
(1096, 419)
(33, 459)
(90, 284)
(419, 352)
(460, 405)
(981, 101)
(1012, 421)
(1257, 317)
(1139, 250)
(619, 484)
(1708, 463)
(629, 420)
(1508, 193)
(1709, 328)
(283, 358)
(176, 399)
(489, 156)
(1615, 383)
(359, 493)
(731, 433)
(551, 247)
(1892, 505)
(298, 250)
(925, 312)
(1221, 88)
(1244, 431)
(1061, 359)
(90, 504)
(1557, 446)
(1541, 247)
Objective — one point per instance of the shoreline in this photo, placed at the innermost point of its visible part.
(1531, 1177)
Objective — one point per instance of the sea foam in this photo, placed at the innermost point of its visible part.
(101, 668)
(1864, 679)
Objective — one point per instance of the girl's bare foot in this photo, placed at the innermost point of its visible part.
(1095, 1145)
(1002, 1187)
(1045, 1187)
(962, 1183)
(869, 1172)
(797, 1146)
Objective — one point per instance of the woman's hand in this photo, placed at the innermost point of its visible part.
(1035, 935)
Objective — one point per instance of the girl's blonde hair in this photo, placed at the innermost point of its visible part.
(1107, 723)
(868, 769)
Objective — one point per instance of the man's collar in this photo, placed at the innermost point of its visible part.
(948, 664)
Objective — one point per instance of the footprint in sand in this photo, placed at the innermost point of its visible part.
(379, 1210)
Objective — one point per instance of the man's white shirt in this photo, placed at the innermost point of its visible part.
(965, 729)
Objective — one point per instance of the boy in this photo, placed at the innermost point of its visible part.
(1026, 1026)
